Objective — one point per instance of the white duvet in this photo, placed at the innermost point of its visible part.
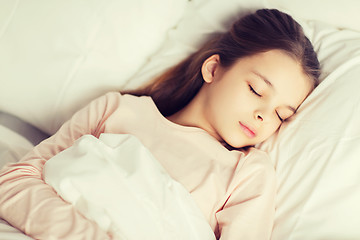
(115, 181)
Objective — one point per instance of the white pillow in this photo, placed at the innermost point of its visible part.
(316, 154)
(342, 14)
(58, 55)
(12, 146)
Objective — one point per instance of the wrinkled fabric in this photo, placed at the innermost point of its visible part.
(115, 181)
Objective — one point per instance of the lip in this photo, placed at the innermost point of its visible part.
(250, 132)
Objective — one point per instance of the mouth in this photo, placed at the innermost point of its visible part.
(249, 132)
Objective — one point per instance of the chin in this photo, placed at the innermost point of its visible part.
(236, 141)
(237, 144)
(242, 143)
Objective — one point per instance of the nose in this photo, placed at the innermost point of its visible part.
(259, 116)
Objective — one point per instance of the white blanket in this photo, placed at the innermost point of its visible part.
(115, 181)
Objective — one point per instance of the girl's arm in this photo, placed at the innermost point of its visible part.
(32, 206)
(249, 212)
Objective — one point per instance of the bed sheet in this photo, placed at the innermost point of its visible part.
(115, 181)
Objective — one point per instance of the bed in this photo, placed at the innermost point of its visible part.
(56, 56)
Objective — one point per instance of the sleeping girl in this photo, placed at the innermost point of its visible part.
(200, 121)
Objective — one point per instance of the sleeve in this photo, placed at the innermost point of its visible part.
(249, 211)
(32, 206)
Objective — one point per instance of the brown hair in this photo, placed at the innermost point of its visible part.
(264, 30)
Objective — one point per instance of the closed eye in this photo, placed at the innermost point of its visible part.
(253, 90)
(281, 119)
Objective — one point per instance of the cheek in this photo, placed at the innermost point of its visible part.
(270, 130)
(231, 100)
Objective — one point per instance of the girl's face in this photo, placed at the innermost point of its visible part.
(246, 103)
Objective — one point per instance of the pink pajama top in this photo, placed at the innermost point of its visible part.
(234, 191)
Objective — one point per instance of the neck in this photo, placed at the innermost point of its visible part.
(188, 116)
(192, 115)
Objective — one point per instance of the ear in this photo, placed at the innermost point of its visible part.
(209, 67)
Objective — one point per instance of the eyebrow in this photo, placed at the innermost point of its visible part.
(271, 85)
(263, 78)
(291, 109)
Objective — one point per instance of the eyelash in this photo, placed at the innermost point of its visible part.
(282, 120)
(252, 90)
(257, 94)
